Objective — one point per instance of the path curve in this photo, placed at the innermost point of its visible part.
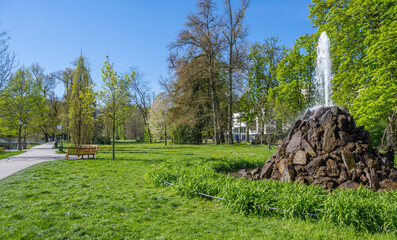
(37, 154)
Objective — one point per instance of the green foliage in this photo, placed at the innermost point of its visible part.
(21, 100)
(362, 209)
(295, 73)
(2, 151)
(110, 199)
(263, 61)
(376, 133)
(364, 54)
(81, 105)
(183, 134)
(115, 97)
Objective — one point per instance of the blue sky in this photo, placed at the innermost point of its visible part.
(133, 33)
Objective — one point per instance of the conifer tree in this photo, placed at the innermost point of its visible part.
(81, 105)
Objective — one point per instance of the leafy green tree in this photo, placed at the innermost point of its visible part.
(263, 61)
(295, 73)
(81, 104)
(115, 97)
(363, 37)
(45, 84)
(21, 104)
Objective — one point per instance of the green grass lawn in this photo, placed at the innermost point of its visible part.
(10, 154)
(111, 199)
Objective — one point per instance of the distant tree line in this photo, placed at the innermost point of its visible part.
(216, 72)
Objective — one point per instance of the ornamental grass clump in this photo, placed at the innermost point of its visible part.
(363, 208)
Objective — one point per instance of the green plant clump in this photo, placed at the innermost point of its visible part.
(363, 209)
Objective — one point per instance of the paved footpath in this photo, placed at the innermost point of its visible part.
(37, 154)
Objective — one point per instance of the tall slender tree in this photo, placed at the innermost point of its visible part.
(115, 97)
(203, 36)
(234, 33)
(7, 59)
(81, 104)
(142, 99)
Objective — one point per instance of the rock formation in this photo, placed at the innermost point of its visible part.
(326, 148)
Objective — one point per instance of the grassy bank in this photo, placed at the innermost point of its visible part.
(10, 154)
(111, 199)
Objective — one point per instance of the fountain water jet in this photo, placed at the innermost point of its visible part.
(323, 75)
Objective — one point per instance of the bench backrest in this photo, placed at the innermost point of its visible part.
(89, 146)
(87, 149)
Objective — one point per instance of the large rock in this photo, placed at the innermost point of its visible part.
(345, 137)
(329, 140)
(294, 142)
(282, 163)
(308, 148)
(300, 158)
(327, 120)
(314, 165)
(288, 174)
(388, 185)
(349, 185)
(332, 168)
(348, 159)
(266, 170)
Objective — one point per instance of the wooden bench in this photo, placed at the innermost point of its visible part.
(82, 150)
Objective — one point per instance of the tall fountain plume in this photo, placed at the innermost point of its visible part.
(323, 75)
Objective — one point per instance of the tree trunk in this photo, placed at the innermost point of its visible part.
(214, 103)
(247, 132)
(114, 130)
(230, 104)
(19, 138)
(165, 137)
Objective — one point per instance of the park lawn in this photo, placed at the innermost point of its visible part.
(111, 199)
(10, 154)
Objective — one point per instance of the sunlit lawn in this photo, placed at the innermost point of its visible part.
(10, 154)
(110, 199)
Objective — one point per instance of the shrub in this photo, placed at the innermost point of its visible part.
(2, 151)
(362, 208)
(183, 134)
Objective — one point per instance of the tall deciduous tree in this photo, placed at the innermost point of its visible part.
(203, 36)
(20, 104)
(234, 33)
(263, 61)
(363, 37)
(115, 97)
(7, 59)
(295, 73)
(46, 84)
(142, 99)
(81, 104)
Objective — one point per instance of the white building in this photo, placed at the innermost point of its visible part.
(240, 129)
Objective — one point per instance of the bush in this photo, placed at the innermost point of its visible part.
(362, 208)
(2, 151)
(183, 134)
(102, 140)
